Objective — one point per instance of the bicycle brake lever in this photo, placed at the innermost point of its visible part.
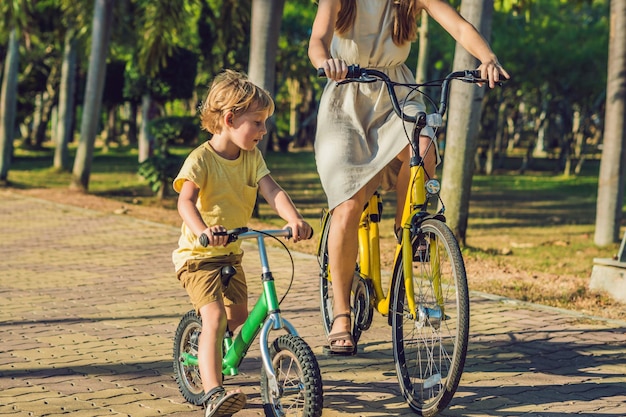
(361, 79)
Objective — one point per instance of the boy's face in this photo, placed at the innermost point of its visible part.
(247, 129)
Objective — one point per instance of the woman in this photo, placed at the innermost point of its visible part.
(356, 144)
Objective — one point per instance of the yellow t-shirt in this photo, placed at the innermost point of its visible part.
(228, 190)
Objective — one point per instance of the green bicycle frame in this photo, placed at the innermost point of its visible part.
(265, 315)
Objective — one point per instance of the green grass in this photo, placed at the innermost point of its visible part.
(537, 227)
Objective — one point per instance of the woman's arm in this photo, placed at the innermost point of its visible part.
(321, 37)
(466, 34)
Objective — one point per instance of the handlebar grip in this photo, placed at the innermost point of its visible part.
(354, 71)
(233, 234)
(291, 233)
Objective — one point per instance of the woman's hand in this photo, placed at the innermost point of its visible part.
(335, 69)
(492, 71)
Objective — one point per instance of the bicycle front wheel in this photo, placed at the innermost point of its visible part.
(430, 347)
(300, 392)
(186, 372)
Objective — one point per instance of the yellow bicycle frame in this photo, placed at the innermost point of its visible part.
(415, 200)
(369, 246)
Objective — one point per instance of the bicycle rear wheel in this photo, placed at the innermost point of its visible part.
(430, 349)
(300, 392)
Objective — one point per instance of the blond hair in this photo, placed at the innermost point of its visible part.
(404, 22)
(232, 91)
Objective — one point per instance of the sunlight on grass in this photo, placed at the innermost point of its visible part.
(529, 237)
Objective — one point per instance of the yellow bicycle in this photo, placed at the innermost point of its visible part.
(427, 300)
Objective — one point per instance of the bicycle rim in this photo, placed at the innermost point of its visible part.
(299, 380)
(326, 286)
(186, 342)
(430, 349)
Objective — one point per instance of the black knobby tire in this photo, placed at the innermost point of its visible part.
(326, 287)
(186, 341)
(430, 350)
(299, 380)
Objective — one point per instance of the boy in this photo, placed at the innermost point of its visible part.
(217, 188)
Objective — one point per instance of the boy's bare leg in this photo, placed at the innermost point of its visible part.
(210, 344)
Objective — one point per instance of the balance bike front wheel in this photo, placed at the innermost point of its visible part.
(186, 370)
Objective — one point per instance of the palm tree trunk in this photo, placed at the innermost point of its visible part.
(463, 123)
(613, 163)
(8, 104)
(421, 71)
(266, 19)
(102, 23)
(145, 142)
(64, 128)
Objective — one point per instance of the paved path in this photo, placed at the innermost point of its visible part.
(89, 305)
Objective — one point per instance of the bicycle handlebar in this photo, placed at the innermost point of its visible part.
(246, 233)
(368, 75)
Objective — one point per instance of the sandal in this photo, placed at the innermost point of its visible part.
(219, 403)
(333, 338)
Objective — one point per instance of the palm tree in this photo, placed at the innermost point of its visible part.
(463, 123)
(101, 31)
(613, 164)
(73, 15)
(65, 121)
(161, 21)
(265, 30)
(161, 24)
(14, 18)
(8, 98)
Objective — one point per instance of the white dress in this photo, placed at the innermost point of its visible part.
(358, 134)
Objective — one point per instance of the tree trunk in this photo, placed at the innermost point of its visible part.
(613, 163)
(293, 86)
(145, 142)
(132, 124)
(65, 123)
(8, 104)
(266, 19)
(421, 70)
(102, 23)
(463, 121)
(47, 103)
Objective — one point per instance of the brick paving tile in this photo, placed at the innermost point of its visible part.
(90, 304)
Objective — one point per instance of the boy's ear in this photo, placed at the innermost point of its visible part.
(228, 118)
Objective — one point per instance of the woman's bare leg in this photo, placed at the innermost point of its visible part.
(342, 253)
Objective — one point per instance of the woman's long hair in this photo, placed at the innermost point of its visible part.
(404, 23)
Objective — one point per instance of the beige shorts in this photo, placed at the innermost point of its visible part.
(201, 279)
